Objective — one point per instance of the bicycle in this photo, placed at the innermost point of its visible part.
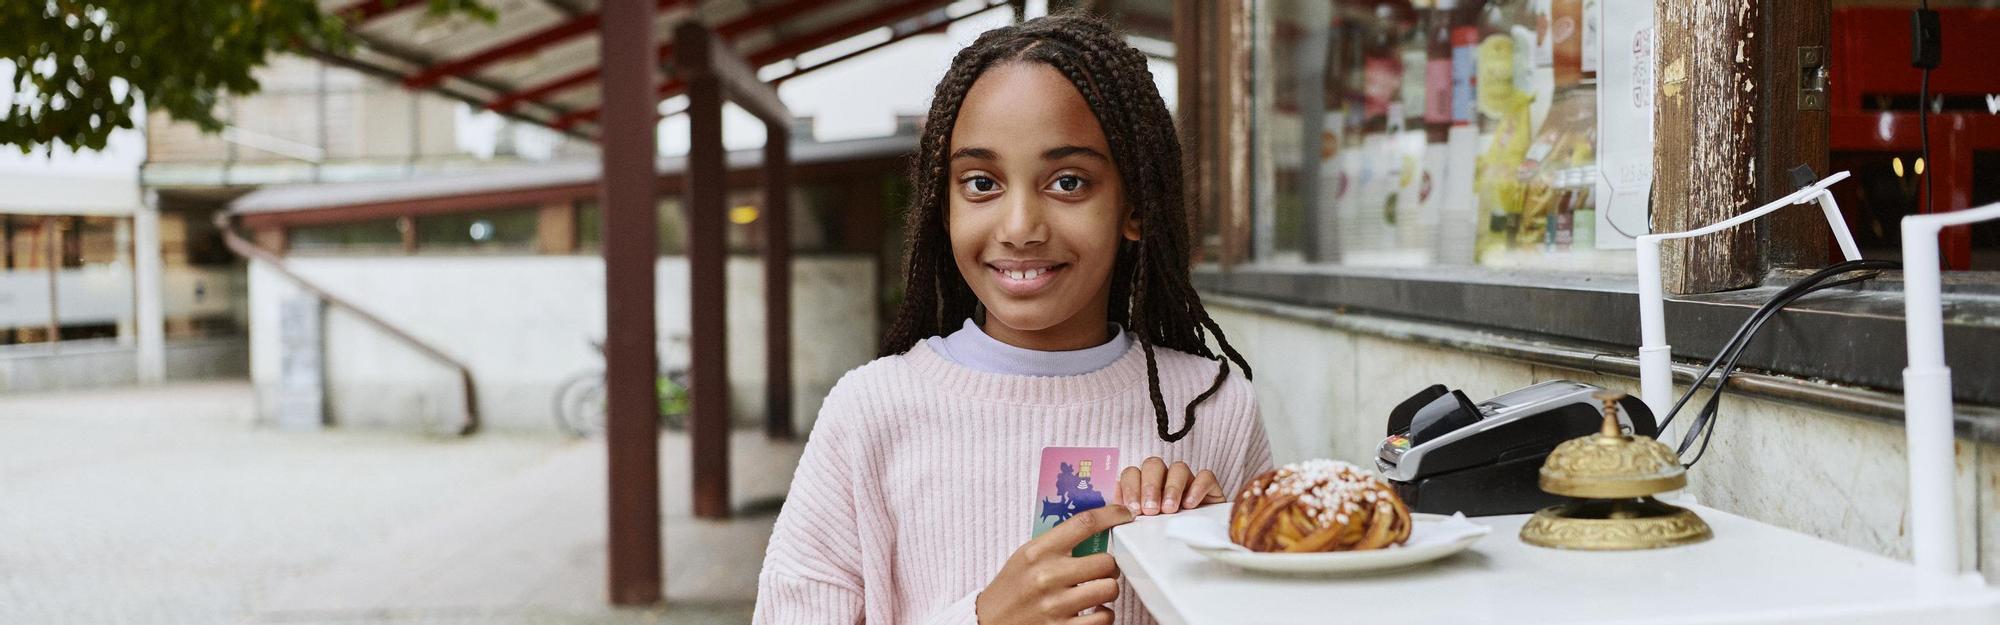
(580, 404)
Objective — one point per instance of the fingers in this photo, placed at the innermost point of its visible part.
(1064, 538)
(1203, 490)
(1089, 594)
(1072, 571)
(1152, 475)
(1128, 487)
(1102, 616)
(1176, 485)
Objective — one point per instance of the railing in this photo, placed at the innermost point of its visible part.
(243, 247)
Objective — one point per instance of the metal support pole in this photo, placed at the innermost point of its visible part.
(53, 227)
(777, 283)
(146, 278)
(708, 249)
(631, 251)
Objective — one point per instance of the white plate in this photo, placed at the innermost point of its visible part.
(1345, 562)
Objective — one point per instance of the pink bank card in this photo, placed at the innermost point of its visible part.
(1074, 480)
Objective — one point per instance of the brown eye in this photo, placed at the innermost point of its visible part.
(980, 185)
(1067, 184)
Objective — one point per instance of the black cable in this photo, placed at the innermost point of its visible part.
(1924, 128)
(1712, 407)
(1705, 419)
(1733, 350)
(1743, 332)
(1925, 63)
(1614, 223)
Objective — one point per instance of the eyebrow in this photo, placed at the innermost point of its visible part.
(978, 153)
(1073, 150)
(1057, 153)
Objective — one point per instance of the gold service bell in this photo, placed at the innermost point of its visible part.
(1613, 477)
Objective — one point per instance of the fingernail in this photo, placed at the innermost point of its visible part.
(1171, 506)
(1152, 506)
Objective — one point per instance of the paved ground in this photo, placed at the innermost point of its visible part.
(169, 505)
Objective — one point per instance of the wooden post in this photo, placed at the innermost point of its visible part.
(1212, 55)
(1191, 118)
(707, 246)
(1233, 121)
(631, 250)
(777, 218)
(1794, 131)
(1704, 164)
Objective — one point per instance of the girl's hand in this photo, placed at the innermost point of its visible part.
(1155, 488)
(1041, 583)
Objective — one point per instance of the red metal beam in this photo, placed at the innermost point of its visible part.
(789, 48)
(361, 12)
(753, 21)
(583, 25)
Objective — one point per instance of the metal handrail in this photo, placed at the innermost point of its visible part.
(243, 247)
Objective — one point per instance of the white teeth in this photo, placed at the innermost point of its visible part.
(1027, 274)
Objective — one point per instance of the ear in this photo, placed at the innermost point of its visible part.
(1131, 227)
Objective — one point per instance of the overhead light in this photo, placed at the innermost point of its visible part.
(743, 215)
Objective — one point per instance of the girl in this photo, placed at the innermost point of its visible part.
(1047, 304)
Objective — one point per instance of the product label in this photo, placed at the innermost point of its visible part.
(1438, 91)
(1464, 73)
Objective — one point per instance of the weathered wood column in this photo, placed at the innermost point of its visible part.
(1704, 160)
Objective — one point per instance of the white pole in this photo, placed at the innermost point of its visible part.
(1927, 409)
(1656, 363)
(146, 271)
(1838, 223)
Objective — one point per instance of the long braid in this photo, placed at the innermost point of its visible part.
(1151, 293)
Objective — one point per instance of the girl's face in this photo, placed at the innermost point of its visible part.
(1037, 208)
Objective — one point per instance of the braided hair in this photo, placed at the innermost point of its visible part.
(1150, 292)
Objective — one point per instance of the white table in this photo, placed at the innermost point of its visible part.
(1749, 573)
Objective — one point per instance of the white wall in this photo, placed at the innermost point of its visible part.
(1326, 393)
(522, 323)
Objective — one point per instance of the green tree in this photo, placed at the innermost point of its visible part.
(80, 67)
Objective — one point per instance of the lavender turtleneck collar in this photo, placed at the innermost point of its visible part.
(972, 347)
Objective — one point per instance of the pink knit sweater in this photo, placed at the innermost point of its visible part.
(918, 480)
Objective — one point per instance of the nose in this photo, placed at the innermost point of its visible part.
(1023, 225)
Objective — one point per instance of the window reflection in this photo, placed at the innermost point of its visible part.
(1431, 132)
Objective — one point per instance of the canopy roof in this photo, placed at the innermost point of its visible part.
(538, 60)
